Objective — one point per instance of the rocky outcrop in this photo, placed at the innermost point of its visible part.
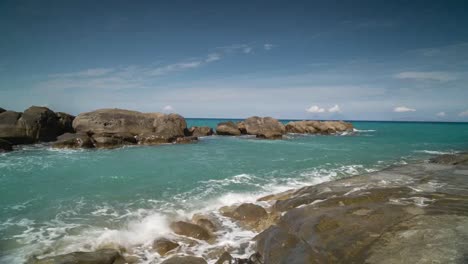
(164, 245)
(36, 124)
(391, 216)
(104, 256)
(200, 131)
(227, 129)
(108, 128)
(185, 260)
(190, 230)
(5, 146)
(318, 127)
(241, 127)
(2, 110)
(264, 127)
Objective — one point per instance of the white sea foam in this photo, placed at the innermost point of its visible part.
(363, 130)
(435, 152)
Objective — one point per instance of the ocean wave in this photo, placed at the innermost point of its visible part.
(363, 130)
(436, 152)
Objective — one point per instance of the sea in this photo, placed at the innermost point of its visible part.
(59, 201)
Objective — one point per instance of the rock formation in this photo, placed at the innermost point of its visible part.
(227, 129)
(264, 127)
(200, 131)
(318, 127)
(36, 124)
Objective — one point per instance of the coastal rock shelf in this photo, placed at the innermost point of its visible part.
(112, 128)
(415, 213)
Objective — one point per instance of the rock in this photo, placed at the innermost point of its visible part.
(200, 131)
(5, 145)
(248, 212)
(190, 230)
(65, 122)
(2, 110)
(186, 140)
(264, 127)
(34, 125)
(277, 245)
(185, 260)
(227, 129)
(103, 256)
(322, 127)
(73, 141)
(163, 245)
(208, 222)
(115, 127)
(450, 159)
(226, 258)
(241, 127)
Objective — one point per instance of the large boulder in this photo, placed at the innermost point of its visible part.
(190, 230)
(164, 245)
(66, 122)
(116, 127)
(200, 131)
(264, 127)
(318, 127)
(34, 125)
(227, 129)
(2, 110)
(5, 145)
(103, 256)
(185, 260)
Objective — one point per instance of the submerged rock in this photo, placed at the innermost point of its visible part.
(74, 141)
(185, 260)
(227, 129)
(264, 127)
(104, 256)
(200, 131)
(164, 245)
(190, 230)
(451, 159)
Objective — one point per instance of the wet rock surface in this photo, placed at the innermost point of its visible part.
(409, 214)
(190, 230)
(5, 145)
(184, 260)
(104, 256)
(164, 245)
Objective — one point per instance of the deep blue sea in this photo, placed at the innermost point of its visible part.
(58, 201)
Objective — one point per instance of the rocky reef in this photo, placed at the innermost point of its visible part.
(416, 213)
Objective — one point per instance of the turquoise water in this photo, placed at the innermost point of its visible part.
(57, 201)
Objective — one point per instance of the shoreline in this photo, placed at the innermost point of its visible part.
(279, 205)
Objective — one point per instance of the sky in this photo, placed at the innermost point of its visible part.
(353, 60)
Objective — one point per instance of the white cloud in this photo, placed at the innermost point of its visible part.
(334, 109)
(247, 49)
(168, 108)
(315, 109)
(403, 109)
(441, 114)
(96, 72)
(213, 57)
(463, 114)
(268, 46)
(431, 76)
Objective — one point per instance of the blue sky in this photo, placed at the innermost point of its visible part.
(369, 60)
